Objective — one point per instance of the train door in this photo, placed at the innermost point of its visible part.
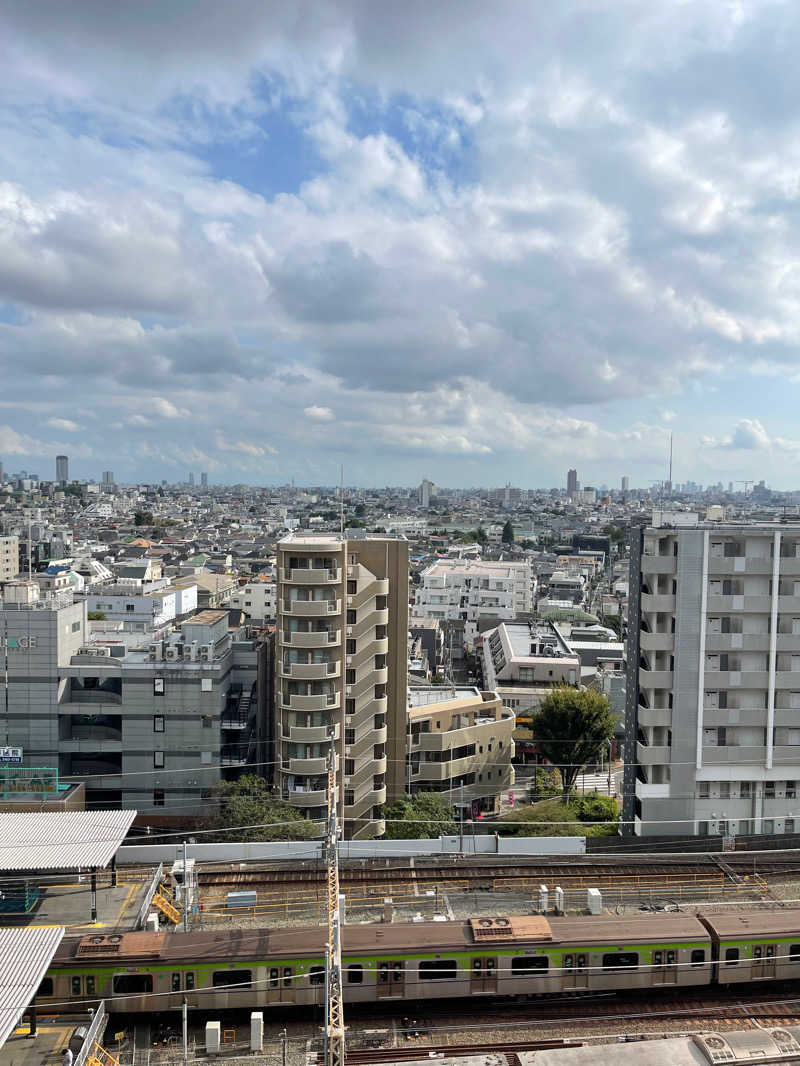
(483, 976)
(763, 961)
(665, 967)
(288, 984)
(391, 979)
(576, 971)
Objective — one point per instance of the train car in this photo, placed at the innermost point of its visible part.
(755, 945)
(517, 956)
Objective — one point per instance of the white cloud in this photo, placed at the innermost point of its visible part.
(167, 409)
(65, 424)
(245, 447)
(319, 414)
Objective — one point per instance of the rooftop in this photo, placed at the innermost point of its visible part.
(421, 697)
(25, 955)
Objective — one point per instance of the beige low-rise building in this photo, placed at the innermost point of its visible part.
(460, 744)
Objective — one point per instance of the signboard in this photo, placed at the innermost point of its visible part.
(18, 643)
(511, 799)
(11, 755)
(28, 779)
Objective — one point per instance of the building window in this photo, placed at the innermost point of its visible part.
(205, 684)
(76, 627)
(349, 767)
(349, 736)
(158, 760)
(350, 706)
(130, 608)
(207, 721)
(350, 677)
(158, 686)
(158, 723)
(351, 618)
(349, 797)
(158, 797)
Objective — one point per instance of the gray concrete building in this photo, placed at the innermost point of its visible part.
(342, 638)
(713, 683)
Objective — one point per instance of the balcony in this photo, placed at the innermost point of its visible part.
(310, 671)
(233, 756)
(311, 576)
(650, 679)
(740, 564)
(655, 716)
(726, 604)
(312, 734)
(787, 679)
(786, 754)
(747, 679)
(657, 641)
(655, 603)
(95, 695)
(299, 797)
(324, 702)
(788, 642)
(737, 641)
(312, 608)
(326, 639)
(653, 754)
(713, 756)
(659, 564)
(305, 767)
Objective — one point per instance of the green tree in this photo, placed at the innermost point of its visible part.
(437, 679)
(247, 802)
(360, 510)
(507, 535)
(419, 817)
(571, 728)
(480, 536)
(143, 518)
(96, 616)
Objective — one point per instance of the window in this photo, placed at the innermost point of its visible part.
(438, 970)
(698, 957)
(132, 984)
(176, 982)
(731, 956)
(744, 789)
(76, 626)
(316, 975)
(769, 790)
(620, 960)
(90, 985)
(349, 736)
(207, 721)
(287, 977)
(189, 982)
(724, 790)
(702, 790)
(350, 677)
(158, 686)
(349, 797)
(130, 608)
(75, 986)
(205, 684)
(273, 977)
(350, 646)
(349, 767)
(231, 979)
(158, 760)
(46, 987)
(794, 954)
(158, 797)
(525, 965)
(158, 723)
(791, 790)
(349, 706)
(351, 618)
(355, 974)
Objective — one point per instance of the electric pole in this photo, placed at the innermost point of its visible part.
(334, 1020)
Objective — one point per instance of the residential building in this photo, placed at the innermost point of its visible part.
(460, 744)
(427, 491)
(257, 599)
(108, 480)
(572, 482)
(62, 469)
(204, 481)
(713, 680)
(9, 558)
(466, 590)
(626, 483)
(523, 661)
(342, 639)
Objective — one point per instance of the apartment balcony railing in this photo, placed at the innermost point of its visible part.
(311, 575)
(322, 702)
(324, 639)
(310, 671)
(312, 608)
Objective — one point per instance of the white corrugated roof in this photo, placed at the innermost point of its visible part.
(25, 955)
(61, 840)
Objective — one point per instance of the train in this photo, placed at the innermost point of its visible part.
(525, 956)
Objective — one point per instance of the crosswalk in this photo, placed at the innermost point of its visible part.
(595, 783)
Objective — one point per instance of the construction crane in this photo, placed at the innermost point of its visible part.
(334, 1018)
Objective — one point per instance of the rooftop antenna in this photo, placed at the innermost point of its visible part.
(341, 501)
(670, 461)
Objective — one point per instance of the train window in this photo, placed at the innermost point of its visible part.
(757, 953)
(355, 974)
(273, 977)
(287, 977)
(567, 962)
(316, 975)
(75, 986)
(90, 986)
(490, 965)
(438, 970)
(189, 982)
(731, 956)
(397, 971)
(670, 958)
(231, 979)
(770, 951)
(658, 958)
(698, 957)
(581, 962)
(46, 987)
(620, 960)
(132, 984)
(176, 982)
(477, 965)
(523, 965)
(794, 954)
(383, 973)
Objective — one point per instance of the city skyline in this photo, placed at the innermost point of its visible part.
(482, 244)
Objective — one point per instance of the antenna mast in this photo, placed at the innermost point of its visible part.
(341, 500)
(334, 1021)
(670, 462)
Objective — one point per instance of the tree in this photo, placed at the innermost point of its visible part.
(419, 817)
(570, 729)
(247, 802)
(96, 616)
(143, 518)
(507, 535)
(481, 536)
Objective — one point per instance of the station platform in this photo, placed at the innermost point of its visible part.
(70, 905)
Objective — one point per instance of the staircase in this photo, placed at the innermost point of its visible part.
(168, 908)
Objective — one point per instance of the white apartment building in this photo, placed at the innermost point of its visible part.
(713, 684)
(258, 599)
(467, 590)
(523, 661)
(9, 558)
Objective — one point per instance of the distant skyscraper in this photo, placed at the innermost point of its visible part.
(572, 482)
(626, 483)
(427, 491)
(108, 479)
(191, 479)
(1, 473)
(62, 469)
(204, 480)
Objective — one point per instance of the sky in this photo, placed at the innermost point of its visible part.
(473, 242)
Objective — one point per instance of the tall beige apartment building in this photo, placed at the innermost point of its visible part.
(342, 639)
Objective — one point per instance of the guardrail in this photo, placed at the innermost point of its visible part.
(94, 1035)
(147, 902)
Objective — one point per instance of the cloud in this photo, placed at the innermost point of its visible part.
(747, 435)
(244, 446)
(166, 409)
(65, 424)
(319, 414)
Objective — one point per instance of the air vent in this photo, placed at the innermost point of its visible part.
(522, 928)
(121, 945)
(99, 945)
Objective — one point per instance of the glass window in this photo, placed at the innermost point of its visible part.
(90, 985)
(231, 979)
(158, 723)
(46, 987)
(132, 984)
(619, 960)
(529, 964)
(75, 986)
(698, 957)
(158, 760)
(438, 970)
(316, 975)
(731, 956)
(287, 977)
(794, 953)
(189, 983)
(355, 974)
(273, 977)
(158, 797)
(176, 982)
(158, 686)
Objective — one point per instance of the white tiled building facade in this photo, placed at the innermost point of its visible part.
(456, 589)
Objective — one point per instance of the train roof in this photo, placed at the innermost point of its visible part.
(526, 932)
(756, 922)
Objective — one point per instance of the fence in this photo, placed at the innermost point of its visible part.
(147, 902)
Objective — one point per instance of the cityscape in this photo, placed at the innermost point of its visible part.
(399, 534)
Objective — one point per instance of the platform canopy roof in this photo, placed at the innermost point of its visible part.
(25, 955)
(61, 840)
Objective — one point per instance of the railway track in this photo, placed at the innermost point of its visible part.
(409, 1054)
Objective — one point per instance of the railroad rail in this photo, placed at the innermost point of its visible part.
(409, 1054)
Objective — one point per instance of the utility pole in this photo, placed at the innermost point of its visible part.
(334, 1019)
